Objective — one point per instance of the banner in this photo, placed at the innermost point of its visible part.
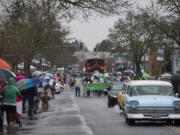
(96, 86)
(160, 54)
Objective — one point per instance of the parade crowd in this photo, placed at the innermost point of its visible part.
(18, 99)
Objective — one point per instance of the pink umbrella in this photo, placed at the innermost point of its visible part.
(20, 77)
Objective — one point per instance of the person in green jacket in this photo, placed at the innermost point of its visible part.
(9, 94)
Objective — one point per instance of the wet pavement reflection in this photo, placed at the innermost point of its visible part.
(63, 117)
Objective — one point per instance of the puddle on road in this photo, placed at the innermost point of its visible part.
(65, 120)
(68, 113)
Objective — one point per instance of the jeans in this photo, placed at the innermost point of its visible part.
(77, 91)
(31, 105)
(88, 93)
(11, 111)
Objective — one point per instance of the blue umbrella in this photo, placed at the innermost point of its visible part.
(28, 83)
(37, 81)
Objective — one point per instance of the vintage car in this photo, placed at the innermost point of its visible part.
(112, 94)
(150, 100)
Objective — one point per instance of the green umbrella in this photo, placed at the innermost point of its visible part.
(100, 75)
(145, 75)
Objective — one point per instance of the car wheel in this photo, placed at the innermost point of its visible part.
(130, 122)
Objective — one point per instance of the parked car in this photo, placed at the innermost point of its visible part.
(150, 100)
(112, 94)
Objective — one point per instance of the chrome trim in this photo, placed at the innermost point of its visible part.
(154, 110)
(142, 116)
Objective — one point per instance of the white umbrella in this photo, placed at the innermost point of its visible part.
(129, 71)
(36, 74)
(166, 75)
(13, 74)
(106, 75)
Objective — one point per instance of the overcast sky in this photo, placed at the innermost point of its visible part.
(95, 30)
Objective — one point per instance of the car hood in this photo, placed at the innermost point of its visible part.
(155, 101)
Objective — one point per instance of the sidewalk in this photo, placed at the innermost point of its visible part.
(63, 118)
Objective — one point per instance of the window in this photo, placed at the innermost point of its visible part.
(152, 90)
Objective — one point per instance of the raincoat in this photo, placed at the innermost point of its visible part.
(20, 77)
(10, 92)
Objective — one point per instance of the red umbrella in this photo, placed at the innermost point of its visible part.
(4, 64)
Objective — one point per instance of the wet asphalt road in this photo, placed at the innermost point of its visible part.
(70, 115)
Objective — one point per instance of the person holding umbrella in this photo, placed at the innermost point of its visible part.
(2, 85)
(9, 94)
(29, 94)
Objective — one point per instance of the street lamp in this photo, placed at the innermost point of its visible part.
(2, 28)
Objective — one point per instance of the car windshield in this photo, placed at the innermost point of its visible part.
(152, 90)
(117, 86)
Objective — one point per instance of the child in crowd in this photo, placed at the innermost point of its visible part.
(36, 106)
(45, 100)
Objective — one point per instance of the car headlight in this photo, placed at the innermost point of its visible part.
(133, 104)
(177, 105)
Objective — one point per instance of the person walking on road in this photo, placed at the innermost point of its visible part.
(9, 94)
(78, 86)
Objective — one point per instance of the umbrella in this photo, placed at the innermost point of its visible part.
(28, 83)
(36, 74)
(5, 74)
(47, 76)
(21, 83)
(129, 71)
(4, 64)
(37, 81)
(145, 75)
(166, 75)
(106, 75)
(101, 76)
(3, 77)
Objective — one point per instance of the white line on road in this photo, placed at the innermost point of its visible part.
(84, 126)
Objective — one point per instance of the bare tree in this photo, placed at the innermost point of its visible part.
(166, 16)
(134, 35)
(71, 8)
(34, 25)
(104, 46)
